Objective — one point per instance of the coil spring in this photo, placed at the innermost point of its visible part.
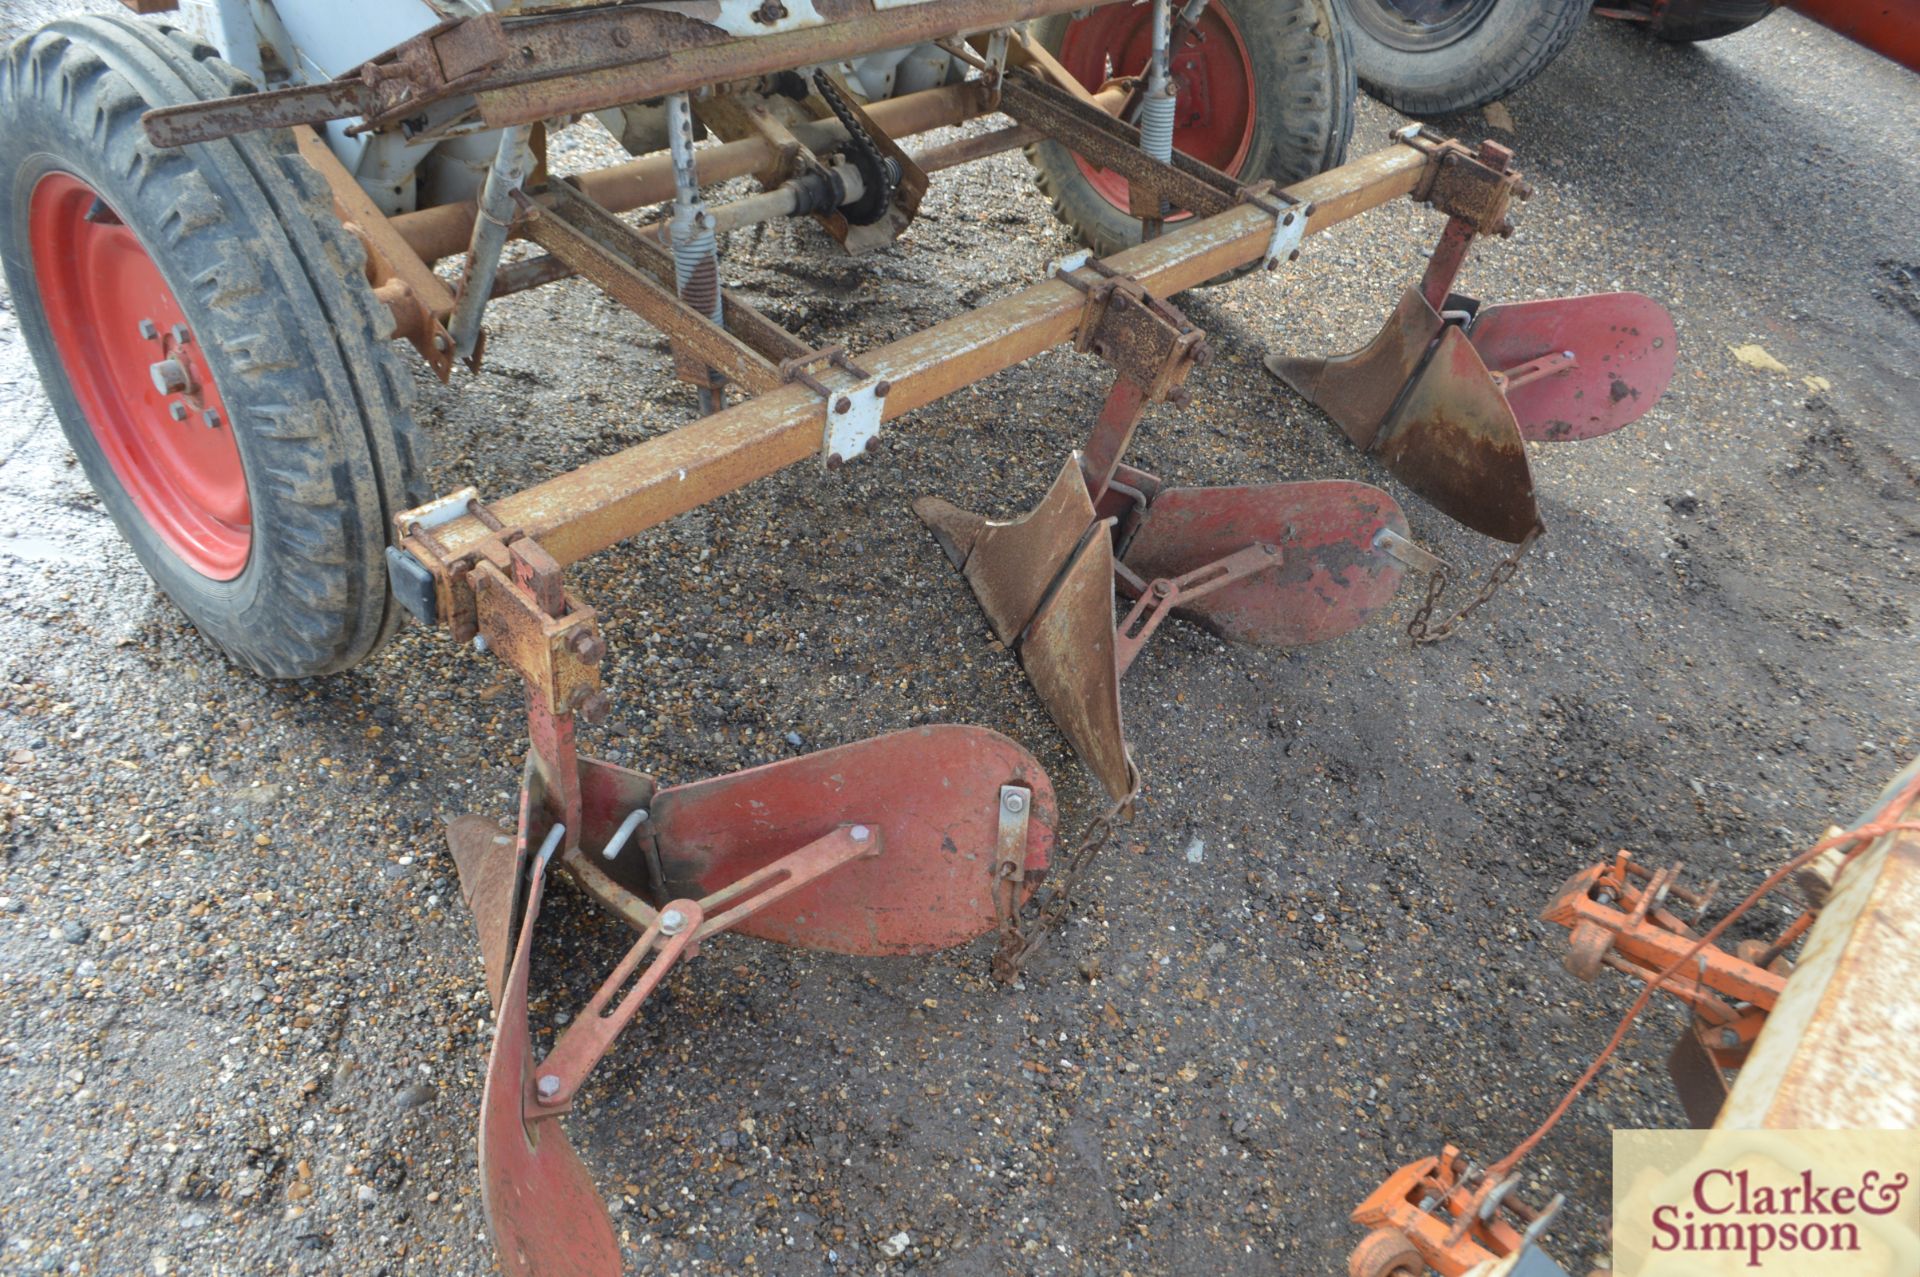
(1156, 126)
(696, 272)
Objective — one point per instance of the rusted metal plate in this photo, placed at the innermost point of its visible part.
(1697, 1078)
(1837, 1051)
(1360, 389)
(1623, 346)
(1068, 654)
(1013, 563)
(1329, 578)
(542, 1207)
(931, 794)
(1453, 440)
(488, 863)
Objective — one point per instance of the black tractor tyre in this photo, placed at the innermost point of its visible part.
(1473, 51)
(275, 301)
(1689, 21)
(1303, 91)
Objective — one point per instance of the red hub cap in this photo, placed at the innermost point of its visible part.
(141, 377)
(1213, 83)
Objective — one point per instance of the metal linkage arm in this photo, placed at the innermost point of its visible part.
(673, 933)
(1158, 599)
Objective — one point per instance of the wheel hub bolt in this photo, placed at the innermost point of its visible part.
(170, 377)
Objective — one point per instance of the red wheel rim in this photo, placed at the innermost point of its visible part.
(114, 320)
(1213, 76)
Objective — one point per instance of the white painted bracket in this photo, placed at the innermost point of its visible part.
(1289, 231)
(853, 421)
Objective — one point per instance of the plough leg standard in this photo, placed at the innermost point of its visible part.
(239, 413)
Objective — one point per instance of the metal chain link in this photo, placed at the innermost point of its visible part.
(1018, 945)
(1420, 629)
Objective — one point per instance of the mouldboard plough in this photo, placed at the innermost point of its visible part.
(426, 134)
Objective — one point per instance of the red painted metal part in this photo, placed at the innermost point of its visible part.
(1623, 347)
(1214, 76)
(102, 294)
(1890, 28)
(932, 794)
(886, 846)
(541, 1204)
(1449, 1235)
(1330, 579)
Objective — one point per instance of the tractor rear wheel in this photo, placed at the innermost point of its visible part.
(203, 327)
(1432, 57)
(1265, 90)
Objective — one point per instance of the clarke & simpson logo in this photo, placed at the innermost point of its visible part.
(1766, 1203)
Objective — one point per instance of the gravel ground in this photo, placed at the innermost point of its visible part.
(241, 1017)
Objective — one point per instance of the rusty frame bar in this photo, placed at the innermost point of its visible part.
(521, 69)
(443, 230)
(587, 510)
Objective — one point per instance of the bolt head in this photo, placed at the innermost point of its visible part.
(593, 707)
(884, 389)
(1729, 1038)
(177, 410)
(181, 334)
(672, 922)
(548, 1085)
(1015, 801)
(587, 646)
(210, 419)
(148, 329)
(835, 461)
(843, 405)
(859, 833)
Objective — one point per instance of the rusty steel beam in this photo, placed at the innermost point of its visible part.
(445, 229)
(677, 61)
(1837, 1051)
(604, 502)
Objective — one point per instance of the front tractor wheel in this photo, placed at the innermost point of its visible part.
(203, 328)
(1264, 90)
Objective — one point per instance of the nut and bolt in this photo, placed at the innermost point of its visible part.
(770, 12)
(859, 833)
(843, 405)
(149, 330)
(884, 389)
(592, 707)
(169, 376)
(210, 419)
(588, 646)
(1015, 801)
(672, 922)
(548, 1085)
(835, 461)
(181, 334)
(1729, 1038)
(177, 410)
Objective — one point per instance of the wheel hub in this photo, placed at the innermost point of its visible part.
(1213, 83)
(141, 377)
